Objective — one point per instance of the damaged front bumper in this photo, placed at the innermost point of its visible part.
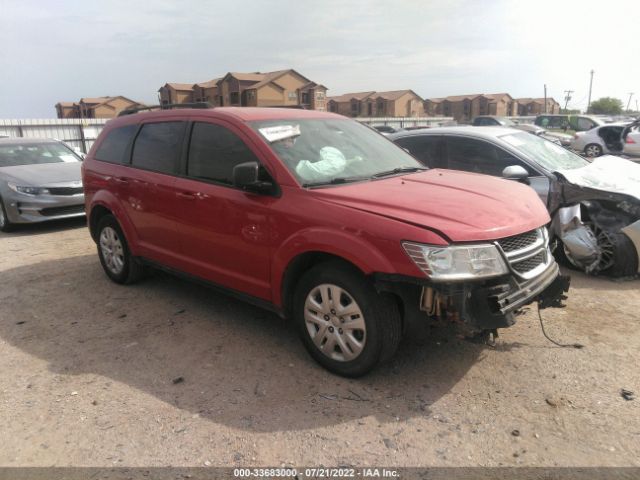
(476, 306)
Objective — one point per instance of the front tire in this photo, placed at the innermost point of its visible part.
(5, 224)
(593, 150)
(113, 251)
(344, 324)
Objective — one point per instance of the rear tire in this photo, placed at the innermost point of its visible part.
(5, 224)
(593, 150)
(115, 256)
(344, 324)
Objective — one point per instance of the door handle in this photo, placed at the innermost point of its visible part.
(121, 180)
(186, 195)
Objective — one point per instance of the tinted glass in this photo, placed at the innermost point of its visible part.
(214, 151)
(472, 155)
(32, 153)
(158, 146)
(114, 146)
(426, 149)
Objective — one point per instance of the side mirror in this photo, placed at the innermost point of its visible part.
(245, 176)
(515, 172)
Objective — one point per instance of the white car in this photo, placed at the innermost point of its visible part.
(612, 138)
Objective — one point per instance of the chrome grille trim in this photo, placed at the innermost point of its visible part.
(527, 254)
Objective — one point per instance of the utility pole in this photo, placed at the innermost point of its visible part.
(545, 98)
(590, 86)
(567, 98)
(629, 102)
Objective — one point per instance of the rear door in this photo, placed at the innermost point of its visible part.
(224, 231)
(151, 203)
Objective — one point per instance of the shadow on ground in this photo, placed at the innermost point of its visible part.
(241, 366)
(29, 229)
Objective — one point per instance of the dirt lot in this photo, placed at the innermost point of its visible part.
(88, 370)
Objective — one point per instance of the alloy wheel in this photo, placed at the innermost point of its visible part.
(592, 151)
(3, 219)
(112, 250)
(335, 322)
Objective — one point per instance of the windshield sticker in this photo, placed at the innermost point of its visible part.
(280, 132)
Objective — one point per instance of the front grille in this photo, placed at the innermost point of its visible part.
(530, 263)
(518, 242)
(65, 190)
(68, 210)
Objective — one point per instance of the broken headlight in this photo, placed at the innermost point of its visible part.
(457, 262)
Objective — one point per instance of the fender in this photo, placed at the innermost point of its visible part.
(352, 248)
(108, 200)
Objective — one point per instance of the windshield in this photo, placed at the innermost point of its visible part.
(15, 154)
(543, 152)
(322, 151)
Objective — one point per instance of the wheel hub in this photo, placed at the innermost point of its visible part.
(335, 322)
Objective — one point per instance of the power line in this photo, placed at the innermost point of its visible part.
(567, 97)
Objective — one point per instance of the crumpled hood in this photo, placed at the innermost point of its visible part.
(43, 174)
(462, 206)
(607, 173)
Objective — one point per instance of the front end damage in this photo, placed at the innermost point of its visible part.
(477, 307)
(597, 222)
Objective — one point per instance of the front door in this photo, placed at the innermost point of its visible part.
(224, 231)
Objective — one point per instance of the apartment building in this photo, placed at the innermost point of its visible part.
(257, 89)
(464, 107)
(535, 106)
(396, 103)
(95, 107)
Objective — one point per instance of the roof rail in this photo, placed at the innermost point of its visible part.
(166, 106)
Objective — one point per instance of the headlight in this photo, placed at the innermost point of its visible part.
(28, 190)
(457, 262)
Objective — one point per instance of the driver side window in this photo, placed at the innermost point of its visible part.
(478, 156)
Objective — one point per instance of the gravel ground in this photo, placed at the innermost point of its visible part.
(166, 372)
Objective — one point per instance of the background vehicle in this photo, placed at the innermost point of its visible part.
(600, 140)
(386, 129)
(493, 121)
(320, 219)
(39, 181)
(575, 123)
(595, 205)
(631, 139)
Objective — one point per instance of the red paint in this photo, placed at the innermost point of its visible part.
(246, 241)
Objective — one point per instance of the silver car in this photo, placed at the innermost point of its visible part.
(39, 180)
(612, 138)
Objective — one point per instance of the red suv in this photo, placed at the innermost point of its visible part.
(320, 219)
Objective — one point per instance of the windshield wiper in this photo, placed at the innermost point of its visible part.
(335, 181)
(395, 171)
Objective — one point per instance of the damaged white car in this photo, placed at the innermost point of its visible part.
(595, 206)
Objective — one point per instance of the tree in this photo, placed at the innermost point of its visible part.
(606, 106)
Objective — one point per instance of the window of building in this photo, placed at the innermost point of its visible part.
(305, 98)
(320, 95)
(157, 147)
(214, 151)
(292, 95)
(115, 145)
(235, 98)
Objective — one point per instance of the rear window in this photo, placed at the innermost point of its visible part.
(157, 147)
(114, 147)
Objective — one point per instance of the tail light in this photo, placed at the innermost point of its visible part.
(629, 140)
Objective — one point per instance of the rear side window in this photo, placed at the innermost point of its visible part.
(214, 151)
(114, 146)
(425, 148)
(157, 147)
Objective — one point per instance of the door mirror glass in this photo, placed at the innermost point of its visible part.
(515, 172)
(246, 176)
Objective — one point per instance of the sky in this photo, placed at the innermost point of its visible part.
(62, 50)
